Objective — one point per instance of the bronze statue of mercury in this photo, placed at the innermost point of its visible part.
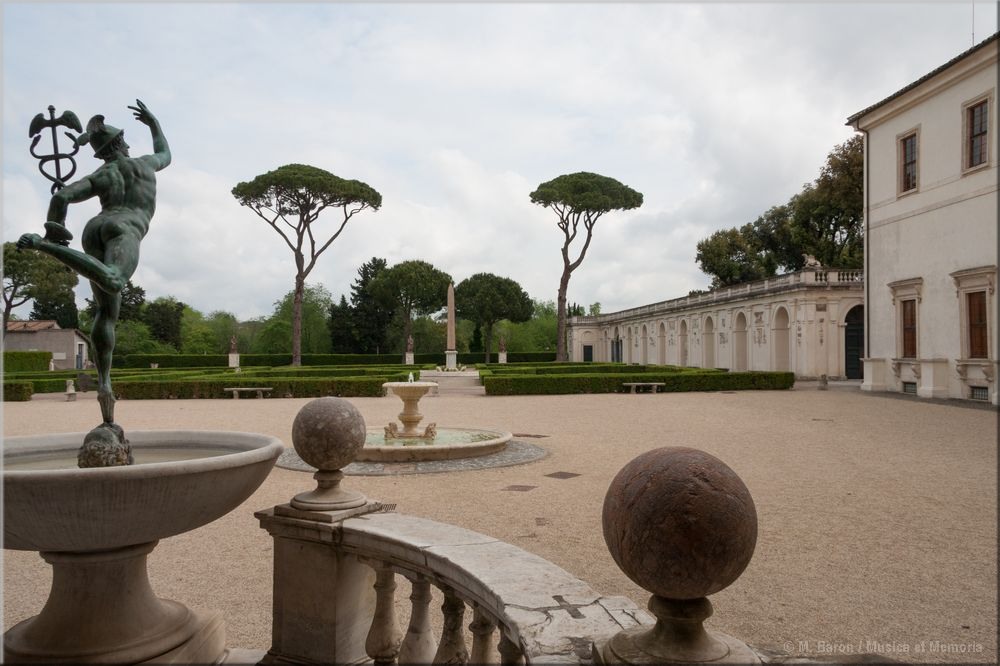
(126, 188)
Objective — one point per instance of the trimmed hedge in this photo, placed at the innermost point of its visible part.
(176, 361)
(277, 360)
(213, 387)
(17, 391)
(26, 361)
(613, 383)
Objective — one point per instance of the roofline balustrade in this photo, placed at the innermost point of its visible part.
(809, 277)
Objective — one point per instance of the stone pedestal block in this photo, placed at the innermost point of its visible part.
(451, 360)
(324, 600)
(408, 358)
(234, 360)
(502, 357)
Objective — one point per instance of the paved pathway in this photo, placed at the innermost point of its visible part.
(877, 516)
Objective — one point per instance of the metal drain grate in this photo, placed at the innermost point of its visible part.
(562, 475)
(979, 393)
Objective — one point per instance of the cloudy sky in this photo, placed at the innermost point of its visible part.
(455, 112)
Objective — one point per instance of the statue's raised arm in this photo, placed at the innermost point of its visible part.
(161, 150)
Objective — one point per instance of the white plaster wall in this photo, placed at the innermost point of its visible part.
(948, 224)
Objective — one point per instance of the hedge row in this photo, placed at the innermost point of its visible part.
(25, 361)
(17, 391)
(271, 360)
(281, 387)
(614, 383)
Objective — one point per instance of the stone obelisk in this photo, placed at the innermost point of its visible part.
(450, 353)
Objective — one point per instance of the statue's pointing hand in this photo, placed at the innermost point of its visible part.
(142, 113)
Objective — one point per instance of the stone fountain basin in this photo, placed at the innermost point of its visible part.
(78, 510)
(416, 450)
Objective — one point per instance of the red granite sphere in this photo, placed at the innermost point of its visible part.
(680, 523)
(328, 433)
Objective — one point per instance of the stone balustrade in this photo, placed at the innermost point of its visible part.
(338, 559)
(808, 276)
(509, 605)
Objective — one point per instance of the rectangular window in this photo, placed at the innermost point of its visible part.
(978, 124)
(979, 393)
(908, 163)
(910, 328)
(976, 304)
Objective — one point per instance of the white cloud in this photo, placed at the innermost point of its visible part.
(455, 113)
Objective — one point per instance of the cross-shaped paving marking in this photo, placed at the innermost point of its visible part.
(573, 611)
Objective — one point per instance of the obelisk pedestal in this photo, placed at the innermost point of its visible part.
(450, 353)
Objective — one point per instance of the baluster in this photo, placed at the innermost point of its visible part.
(384, 637)
(482, 628)
(418, 644)
(510, 652)
(452, 648)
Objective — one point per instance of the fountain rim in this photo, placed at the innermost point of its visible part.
(432, 451)
(267, 446)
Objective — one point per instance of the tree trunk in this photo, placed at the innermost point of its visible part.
(488, 340)
(561, 317)
(300, 288)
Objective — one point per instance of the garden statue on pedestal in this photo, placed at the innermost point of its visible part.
(126, 187)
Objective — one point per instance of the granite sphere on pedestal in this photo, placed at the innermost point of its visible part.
(680, 523)
(328, 433)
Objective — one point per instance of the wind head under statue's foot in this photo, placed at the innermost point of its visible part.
(105, 446)
(57, 233)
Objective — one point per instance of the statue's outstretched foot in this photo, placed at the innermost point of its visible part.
(57, 233)
(105, 446)
(106, 399)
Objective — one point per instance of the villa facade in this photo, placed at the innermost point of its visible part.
(931, 232)
(810, 322)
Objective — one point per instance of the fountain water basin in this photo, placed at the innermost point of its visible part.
(96, 527)
(433, 443)
(447, 444)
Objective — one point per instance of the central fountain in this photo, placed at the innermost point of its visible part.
(410, 444)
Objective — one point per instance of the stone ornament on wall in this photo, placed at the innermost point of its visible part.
(722, 338)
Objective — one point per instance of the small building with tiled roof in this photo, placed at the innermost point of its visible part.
(68, 346)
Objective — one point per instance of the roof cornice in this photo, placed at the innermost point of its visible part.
(966, 58)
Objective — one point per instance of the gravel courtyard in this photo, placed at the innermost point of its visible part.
(877, 515)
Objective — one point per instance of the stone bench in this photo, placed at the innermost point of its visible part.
(246, 389)
(651, 385)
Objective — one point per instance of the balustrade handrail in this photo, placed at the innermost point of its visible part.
(546, 613)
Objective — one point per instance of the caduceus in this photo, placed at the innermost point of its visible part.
(40, 122)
